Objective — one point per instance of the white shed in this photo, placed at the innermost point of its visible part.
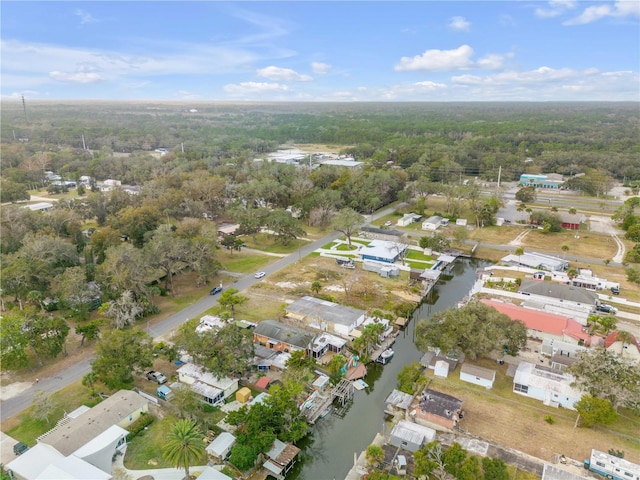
(221, 446)
(441, 369)
(477, 375)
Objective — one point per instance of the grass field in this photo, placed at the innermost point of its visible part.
(519, 422)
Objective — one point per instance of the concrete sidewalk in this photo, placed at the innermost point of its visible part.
(157, 473)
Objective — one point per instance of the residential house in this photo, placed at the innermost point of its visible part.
(326, 343)
(432, 223)
(477, 375)
(623, 344)
(210, 473)
(561, 354)
(383, 251)
(565, 293)
(542, 325)
(343, 162)
(397, 402)
(220, 448)
(381, 234)
(281, 458)
(82, 445)
(613, 467)
(411, 436)
(538, 261)
(225, 229)
(436, 409)
(550, 386)
(572, 221)
(212, 390)
(325, 316)
(43, 462)
(282, 337)
(40, 207)
(407, 219)
(268, 359)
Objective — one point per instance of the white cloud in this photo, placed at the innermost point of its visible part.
(450, 60)
(282, 74)
(76, 77)
(626, 8)
(438, 60)
(85, 17)
(540, 75)
(320, 68)
(556, 8)
(250, 88)
(460, 24)
(187, 95)
(25, 93)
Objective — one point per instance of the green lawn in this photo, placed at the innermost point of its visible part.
(25, 428)
(418, 255)
(145, 450)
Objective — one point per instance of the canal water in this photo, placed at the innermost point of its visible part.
(328, 453)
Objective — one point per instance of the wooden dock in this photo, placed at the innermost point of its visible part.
(320, 406)
(386, 343)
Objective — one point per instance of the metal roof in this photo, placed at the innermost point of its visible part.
(324, 310)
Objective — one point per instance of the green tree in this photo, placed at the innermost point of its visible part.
(44, 406)
(565, 249)
(601, 325)
(231, 243)
(14, 342)
(243, 457)
(494, 469)
(184, 446)
(316, 286)
(375, 456)
(475, 329)
(347, 222)
(89, 331)
(368, 340)
(124, 310)
(437, 242)
(408, 377)
(284, 226)
(602, 374)
(11, 191)
(594, 410)
(230, 299)
(135, 222)
(119, 354)
(46, 335)
(526, 195)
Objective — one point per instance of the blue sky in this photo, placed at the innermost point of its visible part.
(559, 50)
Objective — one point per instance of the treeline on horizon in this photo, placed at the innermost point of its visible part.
(447, 140)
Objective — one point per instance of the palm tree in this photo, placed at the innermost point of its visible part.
(184, 446)
(565, 249)
(625, 338)
(519, 252)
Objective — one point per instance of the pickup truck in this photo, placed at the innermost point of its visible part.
(157, 377)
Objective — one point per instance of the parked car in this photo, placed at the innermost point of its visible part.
(603, 307)
(388, 223)
(615, 290)
(19, 448)
(164, 392)
(260, 274)
(157, 377)
(215, 290)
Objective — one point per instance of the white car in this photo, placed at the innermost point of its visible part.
(259, 274)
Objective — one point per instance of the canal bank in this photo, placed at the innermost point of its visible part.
(328, 452)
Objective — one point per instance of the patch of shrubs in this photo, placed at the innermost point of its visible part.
(139, 425)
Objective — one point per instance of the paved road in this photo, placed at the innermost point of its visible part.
(18, 403)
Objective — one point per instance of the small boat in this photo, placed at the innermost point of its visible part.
(360, 384)
(385, 356)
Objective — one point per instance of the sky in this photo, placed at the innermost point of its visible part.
(321, 51)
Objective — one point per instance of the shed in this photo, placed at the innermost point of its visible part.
(441, 369)
(221, 446)
(477, 375)
(263, 383)
(243, 395)
(411, 436)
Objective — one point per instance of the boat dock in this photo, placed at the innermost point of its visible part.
(386, 343)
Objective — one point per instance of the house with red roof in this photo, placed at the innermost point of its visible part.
(543, 325)
(623, 344)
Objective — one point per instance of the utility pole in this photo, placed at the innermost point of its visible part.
(499, 175)
(24, 107)
(84, 145)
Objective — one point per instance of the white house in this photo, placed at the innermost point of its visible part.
(550, 386)
(408, 219)
(411, 436)
(625, 345)
(221, 446)
(383, 251)
(477, 375)
(326, 316)
(432, 223)
(212, 389)
(40, 207)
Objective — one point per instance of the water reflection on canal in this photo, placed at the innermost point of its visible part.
(328, 453)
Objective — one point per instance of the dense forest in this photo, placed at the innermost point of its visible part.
(440, 139)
